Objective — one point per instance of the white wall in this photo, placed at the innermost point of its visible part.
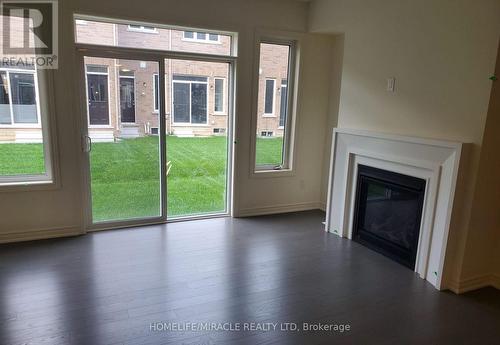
(24, 213)
(441, 54)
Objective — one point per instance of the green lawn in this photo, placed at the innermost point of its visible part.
(125, 176)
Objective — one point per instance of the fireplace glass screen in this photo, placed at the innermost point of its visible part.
(388, 212)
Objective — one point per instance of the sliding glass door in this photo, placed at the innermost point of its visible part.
(122, 139)
(198, 119)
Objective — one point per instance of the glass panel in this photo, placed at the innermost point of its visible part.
(111, 34)
(4, 99)
(124, 160)
(21, 136)
(270, 131)
(196, 148)
(190, 78)
(181, 102)
(23, 98)
(385, 201)
(219, 95)
(97, 69)
(269, 97)
(198, 103)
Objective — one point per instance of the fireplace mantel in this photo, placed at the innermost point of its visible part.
(436, 161)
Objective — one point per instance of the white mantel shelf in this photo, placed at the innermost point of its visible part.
(435, 161)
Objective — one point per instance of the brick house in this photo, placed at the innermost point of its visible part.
(122, 95)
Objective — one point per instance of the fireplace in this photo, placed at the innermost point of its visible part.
(387, 214)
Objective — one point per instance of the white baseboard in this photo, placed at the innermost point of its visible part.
(286, 208)
(38, 234)
(474, 283)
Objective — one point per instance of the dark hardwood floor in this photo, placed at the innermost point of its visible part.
(109, 287)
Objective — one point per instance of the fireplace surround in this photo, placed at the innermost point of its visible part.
(435, 162)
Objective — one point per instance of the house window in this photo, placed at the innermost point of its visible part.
(219, 96)
(219, 130)
(142, 28)
(273, 147)
(190, 100)
(269, 97)
(156, 93)
(201, 37)
(154, 131)
(18, 98)
(283, 102)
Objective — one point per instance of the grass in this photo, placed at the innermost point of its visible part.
(125, 175)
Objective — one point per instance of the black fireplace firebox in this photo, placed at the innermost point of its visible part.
(388, 211)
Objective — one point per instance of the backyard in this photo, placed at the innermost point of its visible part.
(125, 176)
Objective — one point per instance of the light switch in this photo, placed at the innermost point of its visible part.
(391, 84)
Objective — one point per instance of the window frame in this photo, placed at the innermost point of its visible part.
(50, 180)
(292, 40)
(273, 98)
(224, 87)
(190, 123)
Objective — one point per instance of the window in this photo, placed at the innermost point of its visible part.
(117, 33)
(273, 144)
(156, 93)
(142, 28)
(219, 96)
(201, 36)
(18, 98)
(190, 100)
(154, 131)
(269, 97)
(219, 130)
(25, 145)
(283, 102)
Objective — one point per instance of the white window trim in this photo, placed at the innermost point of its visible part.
(81, 22)
(50, 179)
(142, 29)
(224, 87)
(13, 124)
(190, 124)
(294, 41)
(198, 40)
(87, 94)
(273, 114)
(155, 94)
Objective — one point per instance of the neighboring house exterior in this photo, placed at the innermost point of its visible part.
(122, 95)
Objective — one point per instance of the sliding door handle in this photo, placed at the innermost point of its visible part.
(87, 144)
